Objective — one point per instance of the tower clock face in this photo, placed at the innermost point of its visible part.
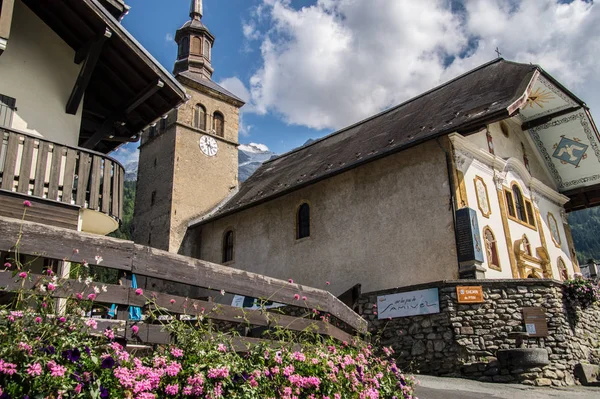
(209, 146)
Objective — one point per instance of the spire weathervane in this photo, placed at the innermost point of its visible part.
(196, 9)
(498, 52)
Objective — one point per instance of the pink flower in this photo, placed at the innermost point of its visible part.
(304, 298)
(221, 348)
(23, 274)
(50, 272)
(44, 305)
(91, 297)
(34, 370)
(296, 297)
(135, 329)
(79, 296)
(27, 204)
(51, 287)
(327, 283)
(172, 389)
(91, 323)
(139, 291)
(110, 334)
(291, 281)
(7, 265)
(38, 320)
(176, 352)
(172, 301)
(62, 319)
(56, 370)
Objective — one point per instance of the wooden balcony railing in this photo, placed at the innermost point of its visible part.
(40, 168)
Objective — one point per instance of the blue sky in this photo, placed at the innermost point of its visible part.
(310, 67)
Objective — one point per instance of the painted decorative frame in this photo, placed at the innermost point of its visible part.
(529, 208)
(554, 231)
(483, 199)
(489, 251)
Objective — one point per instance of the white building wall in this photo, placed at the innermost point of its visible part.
(37, 69)
(506, 148)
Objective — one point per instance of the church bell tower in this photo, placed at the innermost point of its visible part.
(189, 158)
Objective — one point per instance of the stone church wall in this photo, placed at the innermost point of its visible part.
(384, 224)
(463, 340)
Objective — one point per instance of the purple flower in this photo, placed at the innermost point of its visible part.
(103, 392)
(108, 363)
(72, 355)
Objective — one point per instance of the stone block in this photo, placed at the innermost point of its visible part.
(466, 331)
(550, 374)
(543, 382)
(587, 374)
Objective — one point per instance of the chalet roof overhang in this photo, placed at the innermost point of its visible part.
(124, 88)
(467, 104)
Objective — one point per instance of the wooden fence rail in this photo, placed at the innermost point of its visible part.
(68, 245)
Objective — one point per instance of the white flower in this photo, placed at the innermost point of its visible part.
(104, 288)
(98, 259)
(79, 279)
(88, 280)
(96, 289)
(222, 292)
(42, 288)
(54, 279)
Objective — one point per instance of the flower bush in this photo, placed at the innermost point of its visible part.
(53, 354)
(44, 355)
(582, 291)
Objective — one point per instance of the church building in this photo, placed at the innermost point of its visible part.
(382, 202)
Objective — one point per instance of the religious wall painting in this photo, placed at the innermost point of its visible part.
(539, 98)
(483, 201)
(491, 249)
(554, 232)
(570, 151)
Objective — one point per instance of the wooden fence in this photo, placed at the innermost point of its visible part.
(67, 245)
(40, 168)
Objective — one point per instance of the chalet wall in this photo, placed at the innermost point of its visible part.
(384, 224)
(37, 69)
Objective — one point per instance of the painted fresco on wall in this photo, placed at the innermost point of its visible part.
(570, 148)
(545, 99)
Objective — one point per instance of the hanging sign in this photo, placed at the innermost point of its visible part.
(470, 249)
(469, 294)
(412, 303)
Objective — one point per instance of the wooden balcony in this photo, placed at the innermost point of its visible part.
(68, 177)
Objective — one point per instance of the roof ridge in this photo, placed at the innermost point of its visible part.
(285, 154)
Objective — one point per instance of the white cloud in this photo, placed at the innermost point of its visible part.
(169, 38)
(127, 153)
(237, 87)
(338, 61)
(254, 147)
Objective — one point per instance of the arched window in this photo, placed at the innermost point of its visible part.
(200, 117)
(196, 45)
(519, 203)
(526, 246)
(184, 47)
(562, 269)
(491, 247)
(206, 49)
(303, 221)
(219, 124)
(228, 246)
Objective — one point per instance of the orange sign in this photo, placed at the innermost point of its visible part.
(469, 294)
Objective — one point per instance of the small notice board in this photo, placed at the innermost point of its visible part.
(536, 324)
(469, 294)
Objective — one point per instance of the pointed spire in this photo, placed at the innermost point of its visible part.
(196, 9)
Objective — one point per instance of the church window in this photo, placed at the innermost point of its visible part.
(184, 47)
(303, 221)
(206, 49)
(519, 208)
(562, 269)
(7, 108)
(491, 247)
(227, 246)
(519, 203)
(200, 117)
(196, 44)
(219, 124)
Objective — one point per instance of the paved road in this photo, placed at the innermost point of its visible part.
(455, 388)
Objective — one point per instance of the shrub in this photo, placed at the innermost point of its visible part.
(582, 292)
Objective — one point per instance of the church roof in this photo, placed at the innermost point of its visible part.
(463, 105)
(210, 85)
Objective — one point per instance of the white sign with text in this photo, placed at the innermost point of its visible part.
(412, 303)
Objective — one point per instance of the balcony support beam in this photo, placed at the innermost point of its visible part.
(90, 52)
(122, 111)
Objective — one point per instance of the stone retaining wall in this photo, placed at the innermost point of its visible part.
(462, 340)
